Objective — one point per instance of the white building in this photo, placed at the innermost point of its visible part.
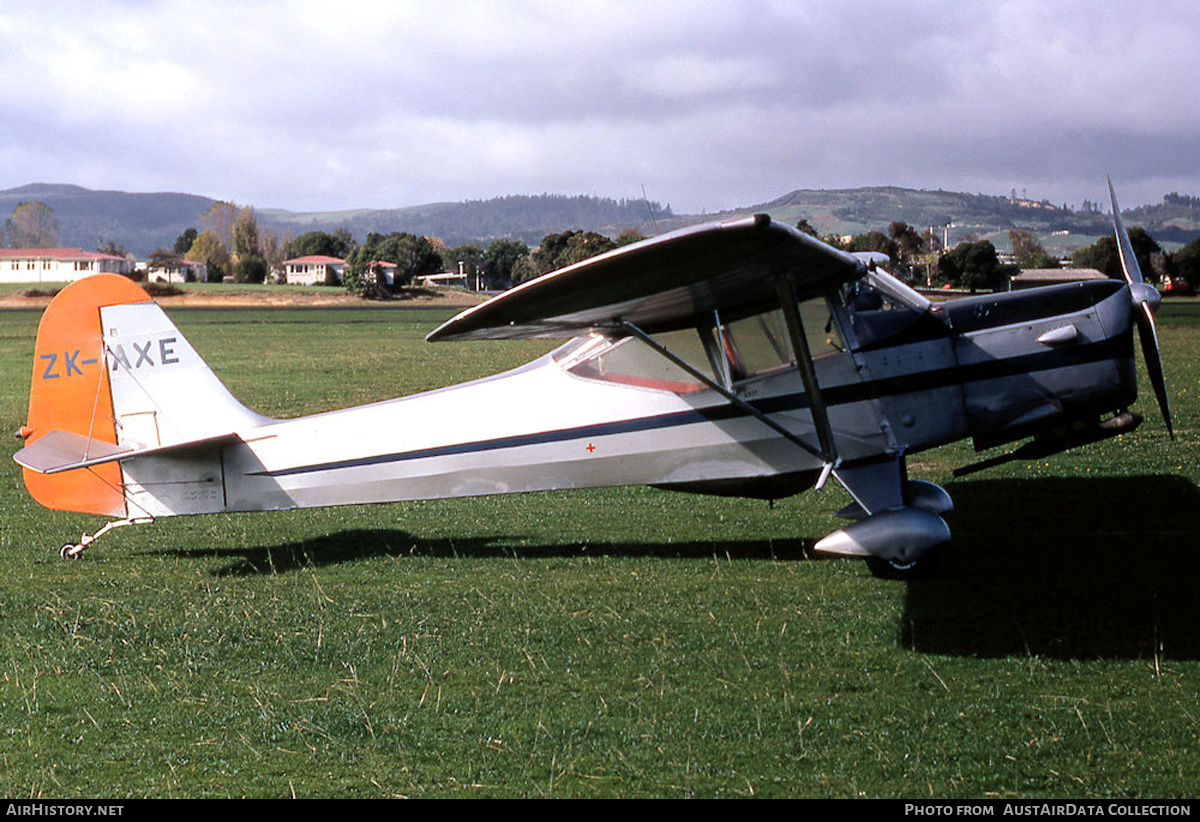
(382, 269)
(177, 271)
(445, 278)
(316, 269)
(57, 265)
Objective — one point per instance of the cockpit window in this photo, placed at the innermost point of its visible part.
(629, 361)
(760, 344)
(723, 353)
(757, 344)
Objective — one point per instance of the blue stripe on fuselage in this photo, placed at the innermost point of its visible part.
(1110, 348)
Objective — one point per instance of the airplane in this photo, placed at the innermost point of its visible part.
(736, 358)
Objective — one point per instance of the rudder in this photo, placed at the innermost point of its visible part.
(70, 391)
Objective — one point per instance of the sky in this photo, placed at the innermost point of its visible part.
(314, 105)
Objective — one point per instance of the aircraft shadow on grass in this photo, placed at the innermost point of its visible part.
(357, 544)
(1084, 568)
(1062, 568)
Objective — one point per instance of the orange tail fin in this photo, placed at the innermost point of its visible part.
(71, 392)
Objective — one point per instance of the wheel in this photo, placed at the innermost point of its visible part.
(922, 567)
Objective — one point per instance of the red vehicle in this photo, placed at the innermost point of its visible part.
(1176, 286)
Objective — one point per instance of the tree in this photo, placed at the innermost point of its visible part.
(1103, 255)
(875, 241)
(416, 256)
(221, 219)
(245, 233)
(1028, 251)
(209, 249)
(270, 248)
(250, 268)
(806, 227)
(104, 246)
(500, 257)
(163, 260)
(972, 265)
(183, 243)
(909, 243)
(412, 255)
(33, 225)
(1187, 262)
(257, 249)
(629, 236)
(560, 250)
(338, 244)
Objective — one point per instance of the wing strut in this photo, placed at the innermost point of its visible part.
(723, 391)
(789, 302)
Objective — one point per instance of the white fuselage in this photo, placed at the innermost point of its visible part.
(535, 428)
(545, 426)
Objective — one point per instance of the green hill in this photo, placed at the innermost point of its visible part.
(144, 222)
(519, 217)
(87, 218)
(1061, 229)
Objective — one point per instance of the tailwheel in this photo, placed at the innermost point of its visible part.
(75, 550)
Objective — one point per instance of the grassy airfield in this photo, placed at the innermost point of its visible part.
(624, 642)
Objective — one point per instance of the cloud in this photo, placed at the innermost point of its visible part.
(312, 105)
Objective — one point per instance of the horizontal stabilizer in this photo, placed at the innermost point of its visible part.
(59, 451)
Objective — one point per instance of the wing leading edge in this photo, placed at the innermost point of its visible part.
(661, 284)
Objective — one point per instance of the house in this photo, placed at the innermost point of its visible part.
(57, 265)
(315, 269)
(384, 269)
(177, 270)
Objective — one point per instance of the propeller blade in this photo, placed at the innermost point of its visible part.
(1129, 263)
(1149, 337)
(1145, 300)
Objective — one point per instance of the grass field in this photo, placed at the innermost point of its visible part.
(623, 642)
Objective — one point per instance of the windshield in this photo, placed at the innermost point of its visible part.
(879, 307)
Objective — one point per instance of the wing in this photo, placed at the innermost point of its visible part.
(661, 284)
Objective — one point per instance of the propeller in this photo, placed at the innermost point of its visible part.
(1145, 302)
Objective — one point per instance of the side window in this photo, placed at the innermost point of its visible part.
(738, 350)
(629, 361)
(759, 344)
